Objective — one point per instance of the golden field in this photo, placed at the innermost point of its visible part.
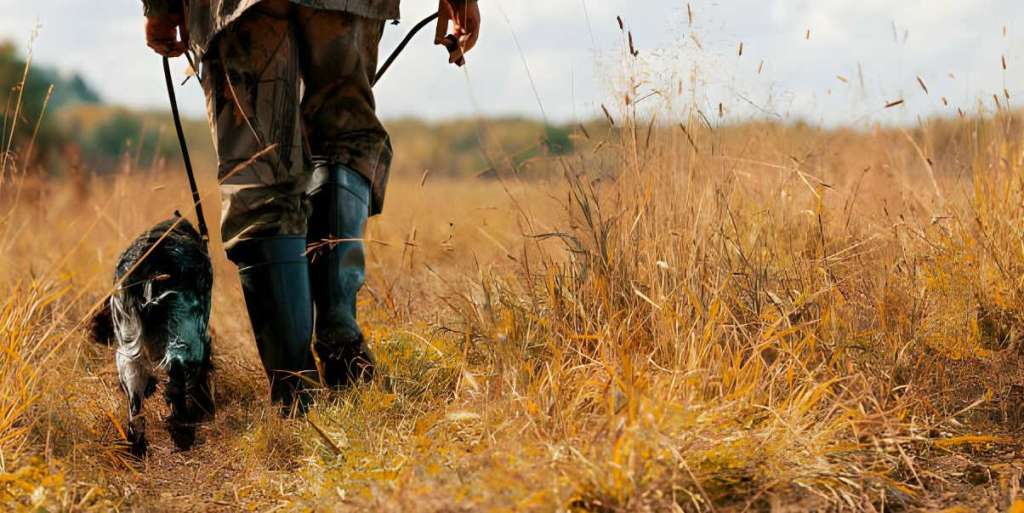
(756, 317)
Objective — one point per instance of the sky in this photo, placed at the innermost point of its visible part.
(823, 61)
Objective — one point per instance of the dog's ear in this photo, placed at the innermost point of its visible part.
(102, 328)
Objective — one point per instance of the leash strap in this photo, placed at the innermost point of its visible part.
(401, 47)
(204, 232)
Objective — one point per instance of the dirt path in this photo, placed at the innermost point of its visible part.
(241, 458)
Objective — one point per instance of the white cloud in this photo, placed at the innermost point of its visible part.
(572, 63)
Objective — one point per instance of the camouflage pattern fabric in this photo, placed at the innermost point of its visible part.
(268, 131)
(207, 18)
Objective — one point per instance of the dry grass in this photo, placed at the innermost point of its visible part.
(749, 318)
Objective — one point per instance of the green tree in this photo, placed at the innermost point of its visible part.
(26, 95)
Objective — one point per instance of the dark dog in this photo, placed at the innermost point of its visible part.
(159, 315)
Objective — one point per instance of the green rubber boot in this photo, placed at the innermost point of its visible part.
(275, 280)
(340, 198)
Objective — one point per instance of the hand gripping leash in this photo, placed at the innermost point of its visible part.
(451, 44)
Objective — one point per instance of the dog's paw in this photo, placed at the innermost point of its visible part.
(183, 434)
(137, 443)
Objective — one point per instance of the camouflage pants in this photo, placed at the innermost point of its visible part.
(288, 86)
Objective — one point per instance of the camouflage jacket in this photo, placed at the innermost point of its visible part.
(206, 18)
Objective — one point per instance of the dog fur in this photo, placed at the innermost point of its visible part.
(159, 316)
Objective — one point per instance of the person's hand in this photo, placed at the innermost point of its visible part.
(464, 16)
(162, 34)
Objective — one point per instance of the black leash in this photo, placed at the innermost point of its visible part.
(203, 230)
(401, 47)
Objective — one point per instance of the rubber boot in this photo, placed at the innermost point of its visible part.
(275, 280)
(340, 199)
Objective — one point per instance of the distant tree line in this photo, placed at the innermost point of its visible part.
(77, 129)
(24, 96)
(69, 120)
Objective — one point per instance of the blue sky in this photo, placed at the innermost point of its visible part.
(861, 54)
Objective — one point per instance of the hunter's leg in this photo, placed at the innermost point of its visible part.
(351, 153)
(251, 77)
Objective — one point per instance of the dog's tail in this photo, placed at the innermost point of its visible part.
(102, 324)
